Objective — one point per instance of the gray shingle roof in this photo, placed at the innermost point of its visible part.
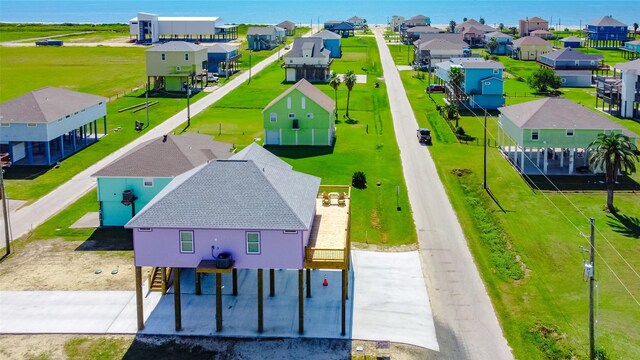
(425, 30)
(300, 43)
(233, 194)
(311, 92)
(570, 54)
(629, 66)
(326, 34)
(475, 23)
(557, 113)
(288, 25)
(606, 21)
(175, 46)
(46, 105)
(168, 157)
(453, 38)
(497, 35)
(261, 156)
(261, 30)
(441, 44)
(221, 48)
(530, 40)
(571, 39)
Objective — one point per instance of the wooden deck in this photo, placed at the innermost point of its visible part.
(329, 242)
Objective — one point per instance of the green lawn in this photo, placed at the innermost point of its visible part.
(540, 231)
(10, 31)
(237, 119)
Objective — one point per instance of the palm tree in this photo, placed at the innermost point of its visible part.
(456, 77)
(501, 26)
(451, 112)
(612, 153)
(492, 44)
(452, 26)
(349, 80)
(481, 21)
(635, 29)
(334, 82)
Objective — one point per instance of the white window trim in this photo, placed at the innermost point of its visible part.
(487, 82)
(537, 134)
(145, 230)
(147, 180)
(290, 231)
(273, 117)
(259, 243)
(570, 132)
(289, 102)
(309, 115)
(182, 251)
(292, 115)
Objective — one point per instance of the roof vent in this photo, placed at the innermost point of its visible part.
(164, 138)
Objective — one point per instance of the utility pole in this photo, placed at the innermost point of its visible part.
(592, 251)
(5, 209)
(485, 151)
(146, 99)
(250, 65)
(188, 104)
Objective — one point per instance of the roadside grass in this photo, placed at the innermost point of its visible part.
(257, 56)
(13, 31)
(59, 225)
(97, 348)
(543, 229)
(366, 143)
(27, 183)
(104, 71)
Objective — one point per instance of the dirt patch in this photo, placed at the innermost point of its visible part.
(69, 266)
(383, 248)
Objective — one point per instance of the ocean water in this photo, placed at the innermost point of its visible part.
(559, 12)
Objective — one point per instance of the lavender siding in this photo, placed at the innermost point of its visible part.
(161, 247)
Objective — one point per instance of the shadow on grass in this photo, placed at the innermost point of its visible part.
(628, 226)
(25, 172)
(579, 183)
(108, 239)
(300, 152)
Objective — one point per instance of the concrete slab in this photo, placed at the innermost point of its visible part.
(15, 205)
(360, 79)
(87, 221)
(390, 299)
(404, 67)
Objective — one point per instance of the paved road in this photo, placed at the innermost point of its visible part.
(35, 214)
(466, 324)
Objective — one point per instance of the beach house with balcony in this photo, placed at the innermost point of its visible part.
(222, 59)
(308, 59)
(503, 40)
(151, 28)
(332, 42)
(265, 37)
(175, 64)
(606, 32)
(526, 26)
(569, 59)
(482, 86)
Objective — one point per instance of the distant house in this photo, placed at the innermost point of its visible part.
(575, 78)
(551, 135)
(572, 42)
(460, 28)
(503, 40)
(482, 85)
(129, 183)
(569, 59)
(175, 63)
(418, 20)
(308, 59)
(526, 26)
(47, 125)
(344, 29)
(529, 48)
(151, 28)
(242, 215)
(630, 89)
(223, 59)
(332, 42)
(429, 53)
(302, 115)
(265, 37)
(397, 22)
(288, 26)
(606, 32)
(413, 33)
(542, 33)
(472, 35)
(631, 50)
(358, 22)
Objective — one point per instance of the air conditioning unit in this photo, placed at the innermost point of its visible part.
(178, 68)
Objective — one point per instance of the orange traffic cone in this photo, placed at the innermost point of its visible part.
(325, 282)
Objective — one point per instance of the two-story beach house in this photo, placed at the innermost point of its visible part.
(528, 48)
(302, 115)
(482, 86)
(526, 26)
(503, 40)
(175, 65)
(265, 37)
(569, 59)
(288, 26)
(606, 32)
(151, 28)
(332, 42)
(308, 59)
(222, 59)
(431, 49)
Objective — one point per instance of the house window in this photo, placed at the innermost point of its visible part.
(304, 102)
(147, 182)
(496, 71)
(290, 231)
(569, 132)
(535, 134)
(144, 229)
(289, 102)
(186, 57)
(32, 125)
(309, 115)
(186, 241)
(273, 117)
(292, 116)
(163, 56)
(253, 243)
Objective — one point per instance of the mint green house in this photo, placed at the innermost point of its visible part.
(551, 136)
(129, 183)
(302, 115)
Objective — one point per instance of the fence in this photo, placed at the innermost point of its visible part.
(127, 92)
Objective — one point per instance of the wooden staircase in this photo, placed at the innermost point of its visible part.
(155, 279)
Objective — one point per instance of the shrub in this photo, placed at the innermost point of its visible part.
(359, 180)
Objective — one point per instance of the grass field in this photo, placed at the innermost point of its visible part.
(543, 310)
(10, 31)
(237, 119)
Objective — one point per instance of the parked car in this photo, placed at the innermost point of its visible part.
(49, 42)
(424, 135)
(434, 88)
(212, 77)
(287, 47)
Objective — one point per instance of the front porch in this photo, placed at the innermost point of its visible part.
(547, 161)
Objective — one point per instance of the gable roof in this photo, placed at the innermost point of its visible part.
(233, 194)
(261, 30)
(571, 54)
(606, 21)
(442, 44)
(472, 30)
(557, 113)
(180, 46)
(46, 105)
(497, 35)
(475, 23)
(326, 34)
(355, 19)
(535, 19)
(571, 39)
(424, 30)
(418, 17)
(453, 38)
(219, 48)
(343, 26)
(314, 43)
(531, 40)
(288, 25)
(166, 157)
(261, 156)
(311, 92)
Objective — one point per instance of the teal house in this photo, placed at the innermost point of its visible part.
(482, 86)
(331, 42)
(302, 115)
(129, 183)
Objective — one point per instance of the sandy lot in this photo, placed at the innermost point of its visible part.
(70, 265)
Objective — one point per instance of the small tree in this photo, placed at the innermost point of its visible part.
(635, 29)
(501, 26)
(334, 82)
(481, 21)
(464, 19)
(542, 79)
(513, 30)
(359, 180)
(492, 45)
(456, 77)
(451, 112)
(349, 80)
(452, 26)
(611, 154)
